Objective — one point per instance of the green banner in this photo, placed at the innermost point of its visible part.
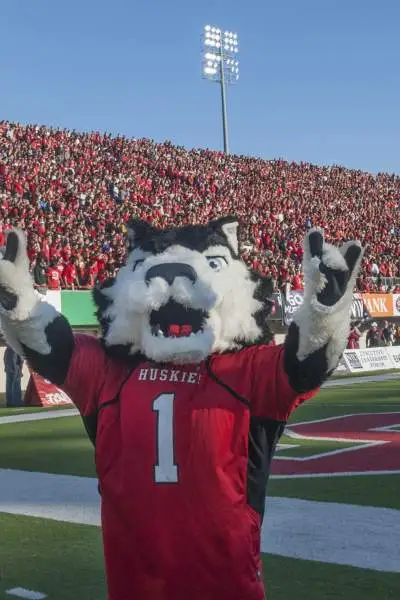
(78, 308)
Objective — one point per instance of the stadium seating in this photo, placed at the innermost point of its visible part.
(73, 193)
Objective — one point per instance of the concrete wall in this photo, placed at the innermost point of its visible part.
(279, 339)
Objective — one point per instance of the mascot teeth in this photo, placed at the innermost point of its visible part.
(175, 320)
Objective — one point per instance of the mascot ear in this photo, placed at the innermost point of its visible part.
(230, 228)
(138, 230)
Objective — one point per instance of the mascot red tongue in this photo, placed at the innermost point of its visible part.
(184, 397)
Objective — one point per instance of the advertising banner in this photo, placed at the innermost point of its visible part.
(41, 392)
(369, 359)
(342, 366)
(396, 305)
(293, 300)
(394, 352)
(379, 305)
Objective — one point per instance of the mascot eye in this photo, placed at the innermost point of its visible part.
(217, 262)
(137, 263)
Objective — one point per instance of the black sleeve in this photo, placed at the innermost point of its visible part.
(53, 366)
(308, 374)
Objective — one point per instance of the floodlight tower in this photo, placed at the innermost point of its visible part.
(220, 65)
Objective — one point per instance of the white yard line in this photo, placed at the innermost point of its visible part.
(39, 416)
(344, 534)
(60, 497)
(366, 379)
(24, 593)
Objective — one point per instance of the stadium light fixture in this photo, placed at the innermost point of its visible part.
(221, 65)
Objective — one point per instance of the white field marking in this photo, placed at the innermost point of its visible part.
(395, 428)
(330, 452)
(343, 534)
(281, 447)
(359, 536)
(366, 379)
(386, 412)
(358, 444)
(341, 474)
(23, 593)
(48, 414)
(66, 498)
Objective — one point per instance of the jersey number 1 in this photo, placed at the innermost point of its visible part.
(165, 470)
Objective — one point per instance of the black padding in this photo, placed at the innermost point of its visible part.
(315, 243)
(8, 299)
(55, 365)
(351, 256)
(308, 374)
(264, 435)
(11, 247)
(335, 287)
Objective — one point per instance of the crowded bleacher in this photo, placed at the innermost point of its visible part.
(74, 192)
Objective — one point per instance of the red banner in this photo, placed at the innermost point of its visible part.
(41, 392)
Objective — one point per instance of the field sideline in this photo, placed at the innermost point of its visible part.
(338, 536)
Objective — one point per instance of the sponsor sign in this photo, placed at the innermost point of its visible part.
(291, 301)
(369, 359)
(394, 352)
(342, 366)
(41, 392)
(358, 308)
(379, 305)
(396, 305)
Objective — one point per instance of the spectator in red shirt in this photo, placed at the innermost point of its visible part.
(53, 276)
(70, 275)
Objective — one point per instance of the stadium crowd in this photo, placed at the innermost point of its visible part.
(74, 192)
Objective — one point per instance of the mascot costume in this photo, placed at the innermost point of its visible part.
(184, 396)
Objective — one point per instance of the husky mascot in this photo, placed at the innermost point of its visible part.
(184, 396)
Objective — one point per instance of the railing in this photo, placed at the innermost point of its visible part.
(388, 282)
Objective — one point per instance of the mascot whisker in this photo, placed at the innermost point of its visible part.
(184, 396)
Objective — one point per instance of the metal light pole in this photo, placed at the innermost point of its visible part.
(220, 65)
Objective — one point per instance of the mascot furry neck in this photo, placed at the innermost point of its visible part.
(184, 397)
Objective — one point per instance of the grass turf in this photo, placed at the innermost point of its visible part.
(65, 562)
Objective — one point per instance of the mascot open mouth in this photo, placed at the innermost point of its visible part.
(175, 320)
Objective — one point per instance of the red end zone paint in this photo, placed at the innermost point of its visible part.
(377, 451)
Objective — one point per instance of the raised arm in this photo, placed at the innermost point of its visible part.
(318, 334)
(33, 328)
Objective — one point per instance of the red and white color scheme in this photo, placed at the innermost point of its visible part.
(373, 447)
(41, 392)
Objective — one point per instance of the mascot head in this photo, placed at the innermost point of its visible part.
(183, 294)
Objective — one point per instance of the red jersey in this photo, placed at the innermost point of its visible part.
(70, 274)
(53, 278)
(183, 455)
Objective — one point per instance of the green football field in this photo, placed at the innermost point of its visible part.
(63, 560)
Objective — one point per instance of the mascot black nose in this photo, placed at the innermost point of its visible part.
(169, 271)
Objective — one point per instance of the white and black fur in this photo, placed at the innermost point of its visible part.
(192, 275)
(186, 276)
